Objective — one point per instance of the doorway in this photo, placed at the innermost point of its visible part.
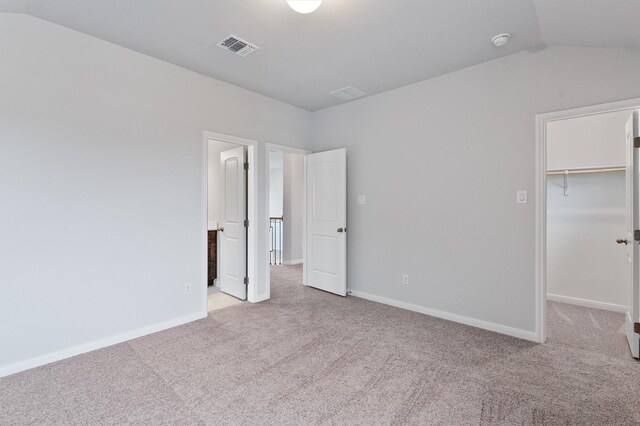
(587, 268)
(328, 177)
(286, 201)
(286, 208)
(324, 216)
(230, 208)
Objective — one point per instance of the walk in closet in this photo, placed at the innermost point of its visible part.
(586, 211)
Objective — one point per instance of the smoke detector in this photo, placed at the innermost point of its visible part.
(348, 93)
(500, 39)
(238, 46)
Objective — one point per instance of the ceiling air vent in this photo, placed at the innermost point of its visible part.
(348, 93)
(238, 46)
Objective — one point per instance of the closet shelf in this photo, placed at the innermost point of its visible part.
(587, 170)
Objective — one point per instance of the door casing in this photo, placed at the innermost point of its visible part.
(541, 197)
(257, 213)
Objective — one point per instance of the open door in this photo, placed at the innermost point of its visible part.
(232, 256)
(632, 322)
(326, 213)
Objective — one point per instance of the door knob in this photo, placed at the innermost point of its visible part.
(341, 229)
(622, 241)
(221, 229)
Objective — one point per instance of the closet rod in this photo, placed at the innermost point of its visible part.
(582, 171)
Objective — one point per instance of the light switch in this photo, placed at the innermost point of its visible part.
(361, 199)
(521, 196)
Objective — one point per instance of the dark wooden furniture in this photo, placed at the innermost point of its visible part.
(212, 255)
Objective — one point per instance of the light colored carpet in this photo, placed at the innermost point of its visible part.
(309, 357)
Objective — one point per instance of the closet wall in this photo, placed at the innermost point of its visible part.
(584, 263)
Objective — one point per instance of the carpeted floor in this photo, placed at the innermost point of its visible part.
(308, 357)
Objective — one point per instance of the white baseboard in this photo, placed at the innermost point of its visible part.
(96, 344)
(292, 262)
(486, 325)
(586, 303)
(259, 298)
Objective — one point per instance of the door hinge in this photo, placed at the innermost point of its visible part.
(246, 223)
(246, 280)
(636, 142)
(636, 327)
(246, 166)
(636, 235)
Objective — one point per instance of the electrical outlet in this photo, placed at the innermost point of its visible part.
(521, 196)
(405, 279)
(187, 288)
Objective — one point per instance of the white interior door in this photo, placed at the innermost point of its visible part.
(633, 246)
(326, 213)
(232, 233)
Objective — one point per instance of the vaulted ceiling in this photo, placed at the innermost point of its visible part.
(374, 45)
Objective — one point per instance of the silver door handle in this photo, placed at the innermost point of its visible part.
(622, 241)
(342, 229)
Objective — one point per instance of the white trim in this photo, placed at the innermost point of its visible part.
(228, 138)
(253, 231)
(632, 336)
(205, 214)
(292, 262)
(305, 249)
(252, 197)
(97, 344)
(288, 149)
(586, 303)
(541, 196)
(473, 322)
(541, 230)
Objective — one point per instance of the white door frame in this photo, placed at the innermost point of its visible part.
(541, 196)
(287, 150)
(252, 203)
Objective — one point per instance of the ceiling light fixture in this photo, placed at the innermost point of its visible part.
(500, 39)
(304, 6)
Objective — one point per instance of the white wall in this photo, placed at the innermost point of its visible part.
(275, 183)
(440, 162)
(101, 182)
(215, 182)
(293, 207)
(583, 260)
(583, 142)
